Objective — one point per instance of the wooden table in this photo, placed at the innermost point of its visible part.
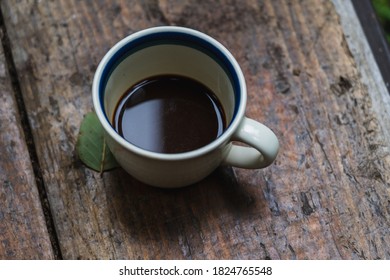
(311, 78)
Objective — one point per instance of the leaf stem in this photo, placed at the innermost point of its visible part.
(103, 157)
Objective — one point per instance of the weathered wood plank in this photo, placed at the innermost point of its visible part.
(23, 232)
(326, 196)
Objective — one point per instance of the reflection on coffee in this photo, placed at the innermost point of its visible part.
(169, 114)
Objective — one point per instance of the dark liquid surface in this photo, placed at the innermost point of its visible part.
(169, 114)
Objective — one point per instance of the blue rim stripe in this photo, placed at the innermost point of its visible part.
(175, 38)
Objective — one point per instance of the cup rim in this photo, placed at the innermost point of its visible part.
(225, 136)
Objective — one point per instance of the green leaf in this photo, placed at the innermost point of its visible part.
(382, 8)
(91, 145)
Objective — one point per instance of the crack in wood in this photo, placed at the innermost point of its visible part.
(306, 208)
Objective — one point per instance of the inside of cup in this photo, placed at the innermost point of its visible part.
(135, 62)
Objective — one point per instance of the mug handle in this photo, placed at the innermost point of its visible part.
(264, 146)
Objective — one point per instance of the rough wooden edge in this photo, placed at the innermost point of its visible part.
(375, 36)
(366, 64)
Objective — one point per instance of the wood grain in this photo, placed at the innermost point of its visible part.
(23, 232)
(326, 196)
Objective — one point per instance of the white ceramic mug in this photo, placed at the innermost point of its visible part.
(190, 53)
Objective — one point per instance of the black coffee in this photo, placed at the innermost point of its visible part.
(169, 114)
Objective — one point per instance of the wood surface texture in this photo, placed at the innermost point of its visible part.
(325, 197)
(23, 232)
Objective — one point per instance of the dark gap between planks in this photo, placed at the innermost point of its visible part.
(375, 37)
(15, 83)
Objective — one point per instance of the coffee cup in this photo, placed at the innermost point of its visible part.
(180, 52)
